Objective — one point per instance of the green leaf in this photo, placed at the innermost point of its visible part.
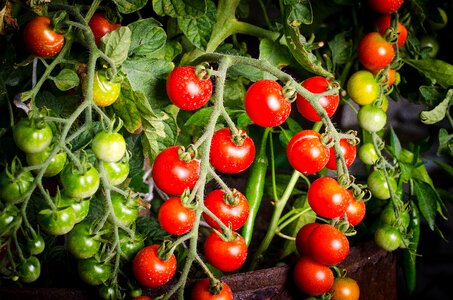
(293, 126)
(200, 117)
(66, 80)
(445, 142)
(427, 198)
(395, 145)
(274, 53)
(150, 229)
(341, 48)
(159, 128)
(125, 108)
(447, 168)
(233, 96)
(243, 120)
(198, 29)
(281, 182)
(48, 100)
(129, 6)
(300, 12)
(87, 135)
(179, 8)
(147, 37)
(432, 94)
(135, 147)
(438, 113)
(437, 70)
(116, 44)
(147, 75)
(299, 47)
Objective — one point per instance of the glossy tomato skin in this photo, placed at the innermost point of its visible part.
(186, 90)
(385, 7)
(327, 198)
(173, 175)
(302, 238)
(372, 118)
(388, 237)
(94, 272)
(41, 39)
(265, 103)
(374, 52)
(235, 213)
(367, 154)
(311, 277)
(328, 245)
(29, 269)
(57, 222)
(201, 291)
(125, 209)
(80, 185)
(317, 85)
(116, 172)
(383, 23)
(150, 270)
(229, 157)
(12, 189)
(101, 26)
(355, 212)
(31, 138)
(175, 218)
(82, 243)
(109, 146)
(306, 152)
(345, 288)
(378, 186)
(226, 256)
(363, 88)
(349, 153)
(55, 166)
(105, 91)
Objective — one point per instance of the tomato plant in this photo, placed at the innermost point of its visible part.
(231, 153)
(317, 85)
(225, 253)
(345, 288)
(174, 217)
(266, 104)
(311, 277)
(151, 270)
(307, 153)
(93, 126)
(187, 90)
(231, 209)
(41, 39)
(204, 291)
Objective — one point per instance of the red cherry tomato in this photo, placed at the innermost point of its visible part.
(231, 154)
(349, 153)
(265, 103)
(41, 39)
(328, 245)
(186, 90)
(226, 256)
(327, 198)
(175, 218)
(150, 270)
(317, 85)
(383, 23)
(302, 238)
(306, 153)
(202, 291)
(173, 175)
(311, 277)
(355, 212)
(385, 7)
(233, 211)
(374, 52)
(101, 26)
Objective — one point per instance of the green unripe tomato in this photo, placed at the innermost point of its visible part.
(378, 186)
(371, 118)
(55, 165)
(367, 154)
(109, 146)
(31, 138)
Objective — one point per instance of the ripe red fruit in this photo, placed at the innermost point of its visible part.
(383, 23)
(41, 39)
(385, 7)
(317, 85)
(101, 26)
(311, 277)
(328, 198)
(374, 52)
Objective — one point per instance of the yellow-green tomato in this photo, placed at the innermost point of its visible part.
(363, 88)
(55, 166)
(367, 154)
(105, 92)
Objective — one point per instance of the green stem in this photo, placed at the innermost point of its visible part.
(273, 224)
